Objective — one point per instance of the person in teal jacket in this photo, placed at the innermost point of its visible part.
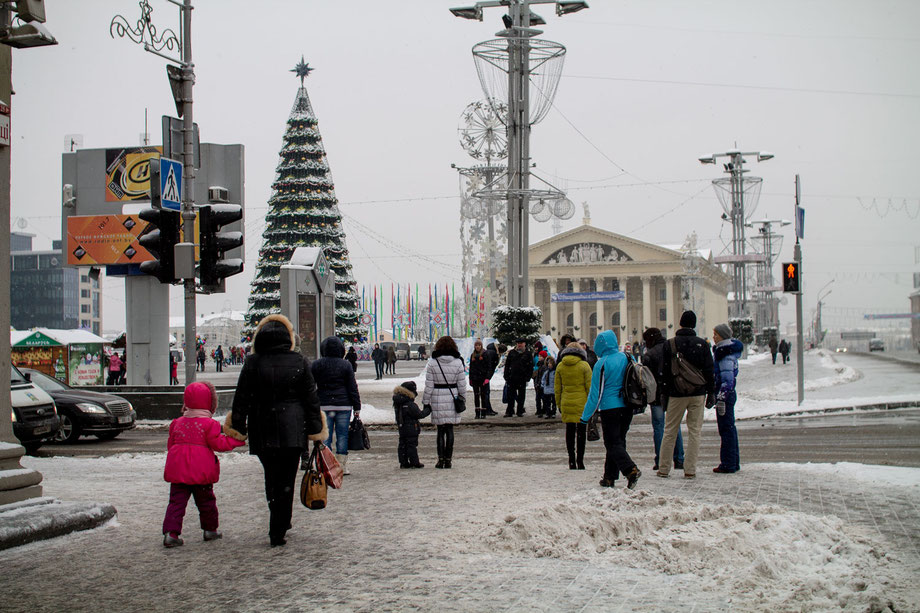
(606, 396)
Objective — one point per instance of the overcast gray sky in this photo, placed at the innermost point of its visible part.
(831, 87)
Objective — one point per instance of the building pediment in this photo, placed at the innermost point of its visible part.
(590, 245)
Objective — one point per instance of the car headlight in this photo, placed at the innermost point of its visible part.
(88, 407)
(13, 413)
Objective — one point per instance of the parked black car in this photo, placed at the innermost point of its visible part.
(85, 412)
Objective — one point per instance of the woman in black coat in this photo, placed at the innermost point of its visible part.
(338, 394)
(481, 370)
(352, 358)
(277, 405)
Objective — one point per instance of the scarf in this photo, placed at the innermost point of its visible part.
(192, 413)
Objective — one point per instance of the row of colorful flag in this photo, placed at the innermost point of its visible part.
(410, 314)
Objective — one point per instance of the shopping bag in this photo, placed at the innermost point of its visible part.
(593, 433)
(330, 468)
(357, 436)
(313, 486)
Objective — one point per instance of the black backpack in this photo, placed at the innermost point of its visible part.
(638, 386)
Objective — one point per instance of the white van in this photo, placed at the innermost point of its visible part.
(35, 418)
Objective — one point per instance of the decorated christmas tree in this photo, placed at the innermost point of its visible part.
(303, 212)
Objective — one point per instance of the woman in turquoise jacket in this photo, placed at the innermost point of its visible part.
(606, 396)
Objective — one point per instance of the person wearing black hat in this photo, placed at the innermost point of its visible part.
(407, 416)
(518, 371)
(687, 381)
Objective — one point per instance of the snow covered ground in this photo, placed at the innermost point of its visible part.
(490, 536)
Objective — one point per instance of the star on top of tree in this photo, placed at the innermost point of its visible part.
(302, 70)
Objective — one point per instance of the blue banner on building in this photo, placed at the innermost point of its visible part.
(586, 296)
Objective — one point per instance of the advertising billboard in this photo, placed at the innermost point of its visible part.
(105, 239)
(127, 173)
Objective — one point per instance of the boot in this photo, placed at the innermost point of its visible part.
(343, 459)
(581, 434)
(448, 445)
(633, 477)
(171, 539)
(478, 414)
(440, 463)
(212, 535)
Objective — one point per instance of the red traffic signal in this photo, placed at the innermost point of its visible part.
(792, 277)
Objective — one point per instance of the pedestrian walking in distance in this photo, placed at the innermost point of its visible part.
(571, 385)
(784, 349)
(379, 357)
(407, 416)
(445, 379)
(726, 354)
(276, 405)
(391, 359)
(687, 389)
(192, 469)
(606, 397)
(774, 347)
(352, 358)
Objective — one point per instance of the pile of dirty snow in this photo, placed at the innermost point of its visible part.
(764, 556)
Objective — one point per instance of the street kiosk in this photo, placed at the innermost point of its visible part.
(308, 297)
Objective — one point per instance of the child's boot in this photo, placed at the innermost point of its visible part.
(171, 539)
(212, 535)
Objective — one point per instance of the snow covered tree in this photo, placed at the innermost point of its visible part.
(510, 323)
(303, 212)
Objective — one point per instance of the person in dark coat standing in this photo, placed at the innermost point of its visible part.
(592, 357)
(697, 353)
(219, 358)
(338, 395)
(352, 358)
(277, 406)
(379, 357)
(654, 350)
(492, 354)
(480, 366)
(518, 371)
(391, 359)
(774, 346)
(784, 348)
(407, 416)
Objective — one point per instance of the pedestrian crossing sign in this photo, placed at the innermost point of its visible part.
(171, 184)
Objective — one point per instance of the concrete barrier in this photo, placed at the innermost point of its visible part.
(161, 401)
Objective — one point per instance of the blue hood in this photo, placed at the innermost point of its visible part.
(728, 347)
(606, 343)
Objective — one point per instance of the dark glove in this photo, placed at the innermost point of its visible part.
(710, 400)
(583, 421)
(427, 407)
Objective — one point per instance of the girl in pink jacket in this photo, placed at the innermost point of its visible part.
(192, 468)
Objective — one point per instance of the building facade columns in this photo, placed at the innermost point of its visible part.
(668, 300)
(554, 326)
(646, 303)
(623, 332)
(576, 309)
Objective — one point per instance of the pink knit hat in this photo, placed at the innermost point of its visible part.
(201, 395)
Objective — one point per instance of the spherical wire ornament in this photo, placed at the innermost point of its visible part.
(564, 209)
(541, 210)
(482, 130)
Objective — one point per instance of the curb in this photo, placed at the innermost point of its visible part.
(43, 518)
(879, 406)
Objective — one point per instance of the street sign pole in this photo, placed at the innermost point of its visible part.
(188, 196)
(797, 256)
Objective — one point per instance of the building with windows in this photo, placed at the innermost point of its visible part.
(44, 294)
(587, 280)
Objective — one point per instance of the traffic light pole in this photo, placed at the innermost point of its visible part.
(188, 178)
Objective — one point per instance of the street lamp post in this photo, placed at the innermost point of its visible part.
(821, 296)
(158, 43)
(518, 31)
(736, 211)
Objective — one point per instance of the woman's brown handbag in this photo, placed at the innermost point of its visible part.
(313, 486)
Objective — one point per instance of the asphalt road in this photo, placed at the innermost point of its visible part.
(880, 437)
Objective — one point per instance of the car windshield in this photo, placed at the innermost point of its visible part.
(16, 377)
(49, 384)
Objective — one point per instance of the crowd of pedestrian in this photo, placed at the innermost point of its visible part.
(283, 401)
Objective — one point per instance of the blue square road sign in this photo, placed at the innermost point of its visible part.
(171, 184)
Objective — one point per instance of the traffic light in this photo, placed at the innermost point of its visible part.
(213, 244)
(791, 277)
(160, 239)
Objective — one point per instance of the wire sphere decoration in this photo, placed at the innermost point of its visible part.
(541, 210)
(564, 209)
(482, 130)
(545, 61)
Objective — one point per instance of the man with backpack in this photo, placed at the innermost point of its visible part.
(687, 381)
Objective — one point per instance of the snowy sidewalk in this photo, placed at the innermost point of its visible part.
(512, 535)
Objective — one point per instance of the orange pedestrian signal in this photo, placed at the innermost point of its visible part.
(791, 273)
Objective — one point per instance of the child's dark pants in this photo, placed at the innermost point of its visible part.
(179, 493)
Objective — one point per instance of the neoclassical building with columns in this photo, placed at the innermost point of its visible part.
(587, 280)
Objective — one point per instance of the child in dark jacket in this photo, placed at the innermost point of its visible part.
(407, 416)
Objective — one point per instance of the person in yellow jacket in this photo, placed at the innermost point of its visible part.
(572, 383)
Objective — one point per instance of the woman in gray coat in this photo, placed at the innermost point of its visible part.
(445, 379)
